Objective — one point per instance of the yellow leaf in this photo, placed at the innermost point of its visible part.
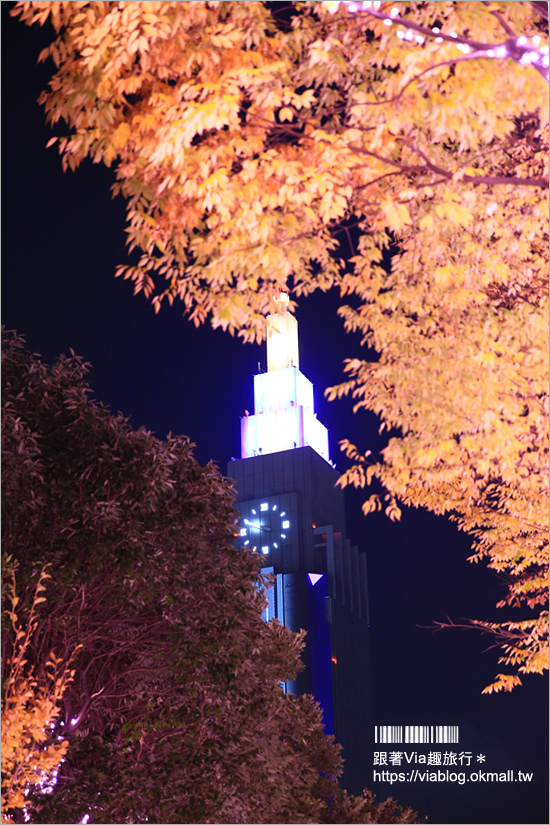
(121, 135)
(397, 215)
(286, 113)
(442, 275)
(454, 212)
(426, 222)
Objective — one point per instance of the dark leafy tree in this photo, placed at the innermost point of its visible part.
(175, 712)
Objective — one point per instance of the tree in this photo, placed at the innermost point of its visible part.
(256, 143)
(176, 713)
(354, 809)
(30, 705)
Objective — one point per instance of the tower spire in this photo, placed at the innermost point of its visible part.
(282, 337)
(284, 415)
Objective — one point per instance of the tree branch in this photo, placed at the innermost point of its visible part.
(473, 56)
(476, 180)
(513, 49)
(509, 31)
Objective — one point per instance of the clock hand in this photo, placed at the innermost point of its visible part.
(256, 525)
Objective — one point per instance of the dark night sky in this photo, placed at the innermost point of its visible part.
(62, 237)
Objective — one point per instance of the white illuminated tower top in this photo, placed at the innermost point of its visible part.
(284, 415)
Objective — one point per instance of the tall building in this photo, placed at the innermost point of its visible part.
(293, 515)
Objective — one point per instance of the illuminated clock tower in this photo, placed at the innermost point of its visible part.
(293, 515)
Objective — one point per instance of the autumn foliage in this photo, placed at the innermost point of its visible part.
(31, 702)
(259, 145)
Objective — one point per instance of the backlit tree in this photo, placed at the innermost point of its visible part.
(31, 702)
(256, 143)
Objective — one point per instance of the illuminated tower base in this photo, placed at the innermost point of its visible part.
(293, 515)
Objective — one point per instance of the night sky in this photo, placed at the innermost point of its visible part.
(62, 237)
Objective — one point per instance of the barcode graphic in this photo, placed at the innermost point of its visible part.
(404, 734)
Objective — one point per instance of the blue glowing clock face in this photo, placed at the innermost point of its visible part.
(264, 528)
